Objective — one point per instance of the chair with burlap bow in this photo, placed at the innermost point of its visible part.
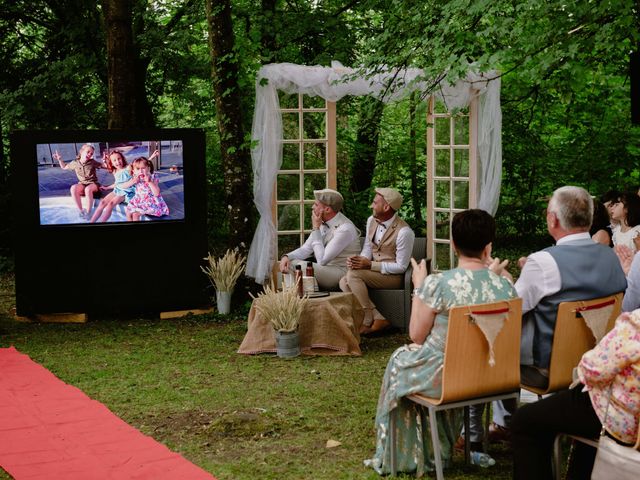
(481, 364)
(579, 327)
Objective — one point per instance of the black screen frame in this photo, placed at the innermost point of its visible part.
(138, 267)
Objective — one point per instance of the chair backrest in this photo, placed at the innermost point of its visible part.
(466, 371)
(419, 248)
(572, 338)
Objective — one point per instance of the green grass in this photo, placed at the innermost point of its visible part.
(238, 417)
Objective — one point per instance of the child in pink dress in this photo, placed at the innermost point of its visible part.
(147, 199)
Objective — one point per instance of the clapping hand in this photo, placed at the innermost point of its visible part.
(419, 272)
(499, 268)
(521, 262)
(625, 255)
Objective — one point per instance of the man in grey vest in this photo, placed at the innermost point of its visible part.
(333, 239)
(576, 268)
(385, 256)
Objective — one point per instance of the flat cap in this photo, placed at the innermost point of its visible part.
(391, 196)
(329, 197)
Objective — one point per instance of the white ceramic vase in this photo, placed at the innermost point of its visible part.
(223, 301)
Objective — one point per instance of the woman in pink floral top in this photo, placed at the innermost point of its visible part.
(609, 375)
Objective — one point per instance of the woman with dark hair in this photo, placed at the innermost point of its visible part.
(601, 227)
(626, 211)
(417, 368)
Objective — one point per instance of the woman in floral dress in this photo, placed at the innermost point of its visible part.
(147, 199)
(417, 368)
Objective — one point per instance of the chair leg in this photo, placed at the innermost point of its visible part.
(420, 470)
(435, 440)
(485, 439)
(556, 466)
(467, 436)
(392, 443)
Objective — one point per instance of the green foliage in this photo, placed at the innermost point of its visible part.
(564, 83)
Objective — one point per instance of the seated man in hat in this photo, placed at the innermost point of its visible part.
(333, 239)
(384, 258)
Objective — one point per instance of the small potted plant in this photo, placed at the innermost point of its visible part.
(223, 274)
(283, 310)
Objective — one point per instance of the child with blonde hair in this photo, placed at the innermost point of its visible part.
(123, 188)
(85, 168)
(147, 199)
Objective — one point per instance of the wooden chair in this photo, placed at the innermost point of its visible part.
(572, 338)
(467, 376)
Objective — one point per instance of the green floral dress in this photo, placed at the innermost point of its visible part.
(419, 369)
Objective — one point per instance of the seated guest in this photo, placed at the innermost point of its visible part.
(417, 368)
(384, 258)
(333, 239)
(576, 268)
(608, 199)
(626, 211)
(608, 394)
(600, 230)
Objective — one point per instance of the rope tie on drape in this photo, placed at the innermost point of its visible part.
(596, 317)
(490, 324)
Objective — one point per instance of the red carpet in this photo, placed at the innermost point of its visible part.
(51, 430)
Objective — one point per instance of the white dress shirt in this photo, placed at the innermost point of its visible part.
(404, 246)
(540, 276)
(343, 235)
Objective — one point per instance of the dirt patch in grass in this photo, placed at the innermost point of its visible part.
(215, 425)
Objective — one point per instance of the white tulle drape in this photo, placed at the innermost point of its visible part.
(333, 83)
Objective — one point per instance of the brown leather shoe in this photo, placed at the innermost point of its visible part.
(498, 433)
(378, 326)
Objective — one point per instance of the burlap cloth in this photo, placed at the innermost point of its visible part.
(328, 326)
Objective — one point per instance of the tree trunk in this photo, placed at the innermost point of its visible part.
(235, 152)
(416, 196)
(364, 158)
(121, 64)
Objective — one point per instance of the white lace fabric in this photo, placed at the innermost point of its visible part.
(332, 84)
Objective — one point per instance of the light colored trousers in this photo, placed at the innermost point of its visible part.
(359, 281)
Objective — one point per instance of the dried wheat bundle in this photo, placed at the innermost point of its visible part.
(282, 309)
(223, 273)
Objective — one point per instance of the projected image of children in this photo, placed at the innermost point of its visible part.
(71, 182)
(85, 167)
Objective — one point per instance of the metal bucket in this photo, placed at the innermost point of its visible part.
(287, 344)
